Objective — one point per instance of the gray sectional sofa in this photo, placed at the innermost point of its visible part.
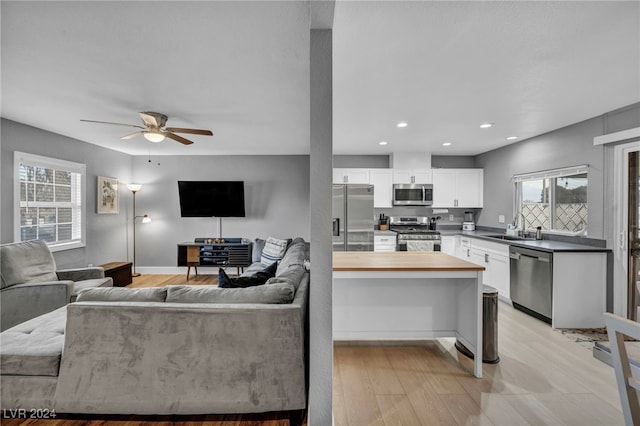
(170, 350)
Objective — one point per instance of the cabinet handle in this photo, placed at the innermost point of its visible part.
(413, 179)
(346, 179)
(468, 253)
(486, 258)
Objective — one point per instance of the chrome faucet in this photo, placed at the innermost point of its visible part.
(524, 222)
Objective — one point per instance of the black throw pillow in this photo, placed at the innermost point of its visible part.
(259, 278)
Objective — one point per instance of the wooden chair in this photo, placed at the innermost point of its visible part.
(628, 384)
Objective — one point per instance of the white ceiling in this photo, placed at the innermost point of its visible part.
(241, 69)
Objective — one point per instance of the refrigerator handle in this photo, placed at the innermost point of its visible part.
(336, 227)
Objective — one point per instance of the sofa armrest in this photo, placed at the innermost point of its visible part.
(21, 302)
(81, 274)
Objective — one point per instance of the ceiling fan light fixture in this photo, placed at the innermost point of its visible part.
(153, 136)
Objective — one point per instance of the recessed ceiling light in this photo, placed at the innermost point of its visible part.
(382, 143)
(486, 125)
(402, 124)
(446, 144)
(511, 138)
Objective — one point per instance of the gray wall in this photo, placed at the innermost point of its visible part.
(383, 161)
(361, 161)
(106, 234)
(276, 193)
(453, 162)
(276, 201)
(568, 146)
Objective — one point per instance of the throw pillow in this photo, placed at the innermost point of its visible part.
(256, 253)
(259, 278)
(273, 251)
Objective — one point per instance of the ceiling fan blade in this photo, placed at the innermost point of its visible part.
(178, 138)
(117, 124)
(132, 135)
(191, 131)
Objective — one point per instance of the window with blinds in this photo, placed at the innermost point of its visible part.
(554, 200)
(49, 201)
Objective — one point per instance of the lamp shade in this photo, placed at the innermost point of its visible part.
(134, 187)
(154, 136)
(146, 218)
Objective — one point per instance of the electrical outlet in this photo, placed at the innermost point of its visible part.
(501, 218)
(450, 218)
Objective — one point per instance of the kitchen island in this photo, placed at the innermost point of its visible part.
(407, 295)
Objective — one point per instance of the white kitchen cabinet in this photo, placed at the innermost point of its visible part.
(384, 241)
(382, 181)
(463, 247)
(495, 258)
(351, 176)
(457, 187)
(579, 289)
(412, 176)
(448, 245)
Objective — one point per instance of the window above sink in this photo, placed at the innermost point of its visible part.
(554, 200)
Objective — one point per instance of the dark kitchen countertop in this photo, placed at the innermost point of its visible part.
(542, 245)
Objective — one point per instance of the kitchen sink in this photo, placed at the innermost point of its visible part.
(507, 237)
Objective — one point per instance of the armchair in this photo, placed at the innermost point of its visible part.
(31, 286)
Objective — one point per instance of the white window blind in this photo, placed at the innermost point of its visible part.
(49, 201)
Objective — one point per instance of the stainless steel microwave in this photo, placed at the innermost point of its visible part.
(412, 194)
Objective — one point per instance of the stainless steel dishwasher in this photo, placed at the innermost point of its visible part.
(532, 281)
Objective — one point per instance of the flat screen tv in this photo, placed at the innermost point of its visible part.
(211, 198)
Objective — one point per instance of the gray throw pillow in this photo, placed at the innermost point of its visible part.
(258, 246)
(122, 294)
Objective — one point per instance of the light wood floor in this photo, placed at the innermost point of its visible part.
(543, 378)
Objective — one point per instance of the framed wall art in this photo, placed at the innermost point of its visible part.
(108, 197)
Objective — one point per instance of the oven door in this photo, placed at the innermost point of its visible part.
(417, 242)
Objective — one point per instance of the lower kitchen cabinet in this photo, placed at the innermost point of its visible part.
(384, 241)
(448, 245)
(495, 258)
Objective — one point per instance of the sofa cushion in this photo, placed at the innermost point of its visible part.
(122, 294)
(243, 281)
(291, 276)
(272, 294)
(34, 347)
(29, 261)
(92, 283)
(273, 251)
(294, 256)
(252, 269)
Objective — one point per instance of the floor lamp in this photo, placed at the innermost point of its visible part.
(135, 187)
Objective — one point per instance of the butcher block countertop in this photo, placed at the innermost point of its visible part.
(399, 261)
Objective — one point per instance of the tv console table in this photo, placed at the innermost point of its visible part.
(219, 252)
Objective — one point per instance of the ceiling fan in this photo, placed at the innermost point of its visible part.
(154, 130)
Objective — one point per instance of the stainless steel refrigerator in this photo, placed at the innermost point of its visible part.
(353, 218)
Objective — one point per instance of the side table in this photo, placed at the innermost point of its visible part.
(120, 272)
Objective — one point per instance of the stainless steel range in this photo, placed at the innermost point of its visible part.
(415, 233)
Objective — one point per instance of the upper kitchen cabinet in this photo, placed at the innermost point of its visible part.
(351, 176)
(457, 187)
(411, 175)
(382, 181)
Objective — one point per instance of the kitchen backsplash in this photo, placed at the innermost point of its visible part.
(458, 214)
